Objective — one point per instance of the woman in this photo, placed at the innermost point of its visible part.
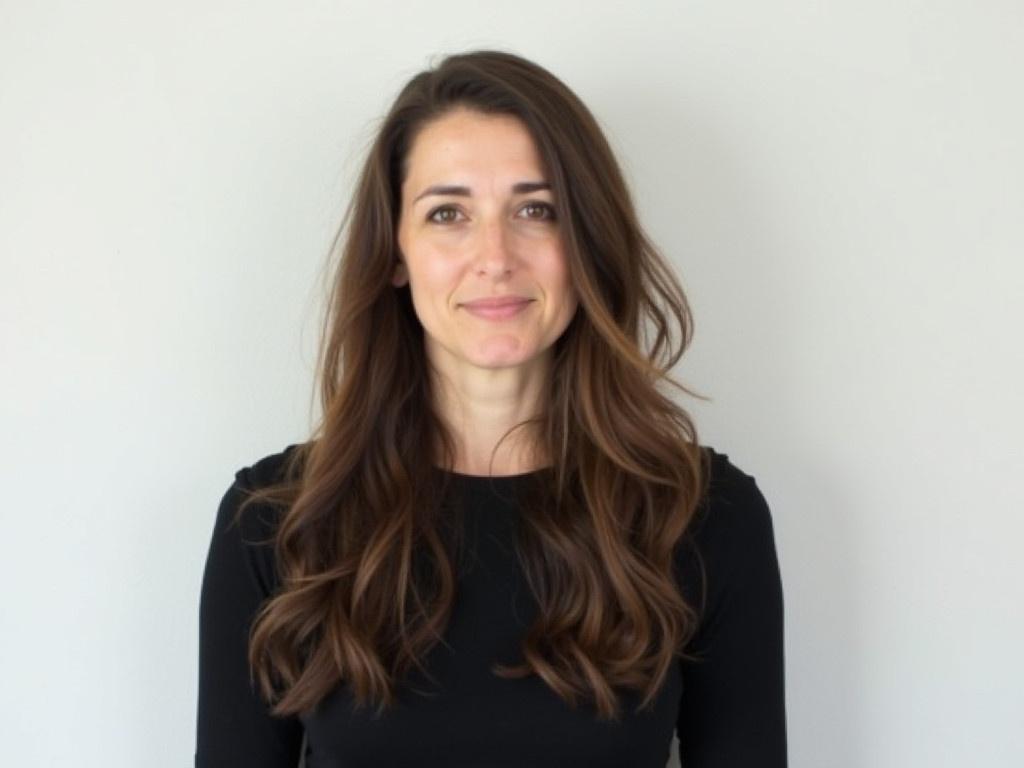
(503, 545)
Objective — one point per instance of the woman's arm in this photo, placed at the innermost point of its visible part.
(732, 713)
(234, 728)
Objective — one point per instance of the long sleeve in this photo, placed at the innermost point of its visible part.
(732, 713)
(234, 727)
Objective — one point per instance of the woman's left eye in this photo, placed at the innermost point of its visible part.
(543, 207)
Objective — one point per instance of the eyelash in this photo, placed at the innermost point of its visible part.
(534, 204)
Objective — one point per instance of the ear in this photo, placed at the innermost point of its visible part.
(401, 275)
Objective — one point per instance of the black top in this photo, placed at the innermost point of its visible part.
(728, 710)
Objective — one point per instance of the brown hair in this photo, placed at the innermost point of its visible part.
(362, 549)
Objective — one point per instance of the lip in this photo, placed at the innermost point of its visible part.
(496, 301)
(497, 309)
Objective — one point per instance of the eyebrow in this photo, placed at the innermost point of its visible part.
(519, 188)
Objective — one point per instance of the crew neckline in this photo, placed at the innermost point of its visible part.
(491, 478)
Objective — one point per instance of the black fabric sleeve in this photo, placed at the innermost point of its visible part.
(732, 713)
(234, 727)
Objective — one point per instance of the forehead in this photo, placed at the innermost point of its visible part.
(464, 144)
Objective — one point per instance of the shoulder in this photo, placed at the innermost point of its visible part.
(734, 505)
(731, 536)
(259, 518)
(243, 533)
(254, 520)
(268, 469)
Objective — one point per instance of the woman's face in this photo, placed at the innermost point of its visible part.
(477, 222)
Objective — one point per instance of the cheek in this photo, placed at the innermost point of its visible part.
(439, 266)
(433, 274)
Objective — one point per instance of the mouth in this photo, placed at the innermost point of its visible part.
(497, 301)
(497, 309)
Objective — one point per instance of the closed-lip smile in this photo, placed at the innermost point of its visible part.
(498, 301)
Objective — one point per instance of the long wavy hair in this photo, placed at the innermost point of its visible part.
(365, 545)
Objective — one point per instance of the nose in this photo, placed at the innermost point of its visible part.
(495, 254)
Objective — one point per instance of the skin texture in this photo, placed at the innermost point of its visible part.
(489, 374)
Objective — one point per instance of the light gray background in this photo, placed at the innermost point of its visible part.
(839, 184)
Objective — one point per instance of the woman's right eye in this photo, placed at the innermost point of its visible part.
(445, 219)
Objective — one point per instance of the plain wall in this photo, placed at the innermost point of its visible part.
(839, 184)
